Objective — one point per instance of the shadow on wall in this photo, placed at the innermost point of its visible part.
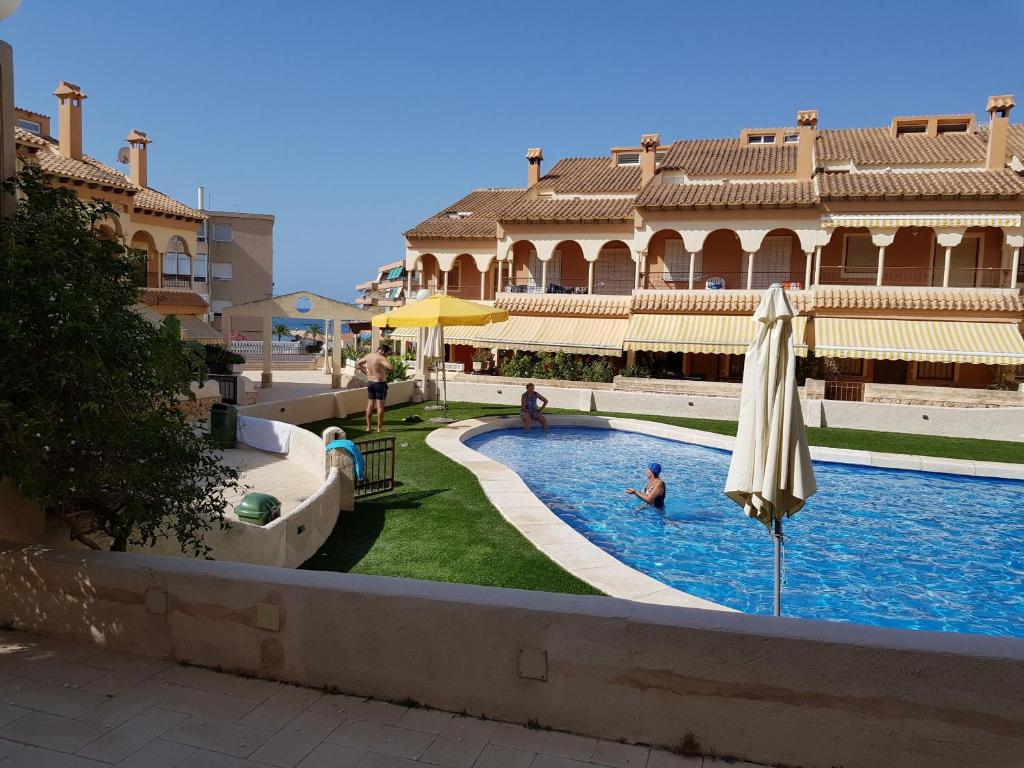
(68, 600)
(356, 532)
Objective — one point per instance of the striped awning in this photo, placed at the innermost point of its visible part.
(712, 334)
(576, 335)
(935, 341)
(921, 220)
(453, 334)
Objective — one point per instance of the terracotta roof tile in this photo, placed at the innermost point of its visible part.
(570, 209)
(876, 146)
(149, 199)
(155, 297)
(1015, 141)
(483, 207)
(563, 305)
(916, 299)
(87, 169)
(757, 194)
(590, 175)
(22, 136)
(951, 184)
(710, 302)
(727, 157)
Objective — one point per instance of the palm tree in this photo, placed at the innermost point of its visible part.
(280, 329)
(315, 332)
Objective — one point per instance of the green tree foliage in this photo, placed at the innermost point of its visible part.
(88, 423)
(281, 330)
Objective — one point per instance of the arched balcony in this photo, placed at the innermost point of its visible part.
(972, 257)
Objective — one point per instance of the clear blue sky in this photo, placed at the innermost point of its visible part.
(353, 121)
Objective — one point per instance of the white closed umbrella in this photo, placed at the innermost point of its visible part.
(432, 349)
(771, 475)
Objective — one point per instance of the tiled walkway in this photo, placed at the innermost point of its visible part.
(64, 705)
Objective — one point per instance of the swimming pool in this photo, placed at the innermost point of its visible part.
(874, 546)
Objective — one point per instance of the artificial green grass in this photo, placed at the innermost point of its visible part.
(437, 524)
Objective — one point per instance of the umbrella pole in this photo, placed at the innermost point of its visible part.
(777, 537)
(444, 369)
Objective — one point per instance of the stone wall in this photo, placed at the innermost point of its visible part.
(772, 691)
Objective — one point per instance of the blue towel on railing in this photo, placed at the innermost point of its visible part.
(357, 457)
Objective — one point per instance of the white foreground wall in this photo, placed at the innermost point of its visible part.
(786, 691)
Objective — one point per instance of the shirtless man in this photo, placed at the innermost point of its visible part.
(376, 368)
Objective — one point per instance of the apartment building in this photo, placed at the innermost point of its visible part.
(174, 279)
(387, 289)
(240, 254)
(900, 245)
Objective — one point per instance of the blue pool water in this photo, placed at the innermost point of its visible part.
(873, 546)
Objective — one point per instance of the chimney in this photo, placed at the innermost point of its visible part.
(137, 161)
(69, 113)
(998, 109)
(807, 129)
(534, 156)
(649, 143)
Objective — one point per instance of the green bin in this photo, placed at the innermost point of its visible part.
(258, 508)
(223, 422)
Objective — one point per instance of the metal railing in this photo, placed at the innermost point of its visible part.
(848, 391)
(175, 281)
(712, 279)
(379, 459)
(970, 277)
(573, 286)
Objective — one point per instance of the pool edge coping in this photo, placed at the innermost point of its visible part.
(560, 542)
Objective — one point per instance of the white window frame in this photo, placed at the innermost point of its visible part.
(761, 138)
(845, 272)
(222, 270)
(218, 230)
(200, 267)
(32, 126)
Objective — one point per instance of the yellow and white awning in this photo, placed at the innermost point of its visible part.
(453, 334)
(575, 335)
(935, 341)
(891, 220)
(710, 334)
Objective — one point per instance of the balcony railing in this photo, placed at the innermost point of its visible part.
(971, 277)
(718, 280)
(175, 281)
(601, 287)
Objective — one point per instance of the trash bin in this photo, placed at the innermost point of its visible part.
(258, 508)
(223, 422)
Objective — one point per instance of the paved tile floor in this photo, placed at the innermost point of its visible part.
(64, 705)
(270, 473)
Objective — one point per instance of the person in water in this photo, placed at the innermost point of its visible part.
(654, 492)
(529, 411)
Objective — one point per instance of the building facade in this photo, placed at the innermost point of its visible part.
(900, 245)
(240, 254)
(174, 279)
(388, 289)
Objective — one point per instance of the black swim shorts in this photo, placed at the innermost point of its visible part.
(377, 390)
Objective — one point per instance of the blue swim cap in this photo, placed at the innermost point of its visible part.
(655, 468)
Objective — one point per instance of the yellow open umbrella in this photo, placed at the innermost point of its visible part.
(437, 311)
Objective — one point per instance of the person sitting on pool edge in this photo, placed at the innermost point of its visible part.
(654, 492)
(529, 412)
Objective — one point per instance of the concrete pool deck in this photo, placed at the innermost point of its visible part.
(584, 559)
(270, 473)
